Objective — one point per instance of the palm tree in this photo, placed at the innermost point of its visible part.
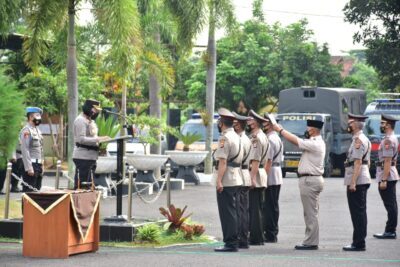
(119, 19)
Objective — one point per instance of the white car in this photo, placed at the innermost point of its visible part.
(133, 146)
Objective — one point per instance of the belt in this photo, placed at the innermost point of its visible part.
(307, 174)
(18, 151)
(351, 163)
(38, 161)
(245, 167)
(380, 164)
(229, 164)
(95, 148)
(276, 164)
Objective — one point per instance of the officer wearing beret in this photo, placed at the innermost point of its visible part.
(387, 175)
(31, 147)
(357, 179)
(239, 125)
(229, 156)
(274, 181)
(311, 182)
(257, 159)
(86, 148)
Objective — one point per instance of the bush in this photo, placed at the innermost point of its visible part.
(175, 217)
(149, 233)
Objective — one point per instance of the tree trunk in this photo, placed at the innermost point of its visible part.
(61, 136)
(210, 91)
(72, 83)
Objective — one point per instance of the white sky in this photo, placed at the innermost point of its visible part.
(325, 19)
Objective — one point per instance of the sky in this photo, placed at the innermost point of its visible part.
(325, 18)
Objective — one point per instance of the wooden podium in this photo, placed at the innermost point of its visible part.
(60, 223)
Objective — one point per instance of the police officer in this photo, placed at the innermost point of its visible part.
(31, 147)
(239, 125)
(311, 182)
(228, 180)
(257, 159)
(274, 181)
(387, 175)
(357, 179)
(86, 148)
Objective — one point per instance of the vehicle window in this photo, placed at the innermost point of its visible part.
(345, 108)
(372, 125)
(199, 128)
(296, 127)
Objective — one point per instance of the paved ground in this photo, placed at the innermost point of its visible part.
(335, 231)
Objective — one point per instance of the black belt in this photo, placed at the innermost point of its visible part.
(229, 164)
(351, 163)
(307, 174)
(95, 148)
(380, 164)
(245, 167)
(276, 164)
(18, 151)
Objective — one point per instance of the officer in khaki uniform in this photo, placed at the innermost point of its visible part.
(86, 150)
(387, 175)
(239, 125)
(311, 182)
(357, 180)
(31, 147)
(274, 181)
(229, 156)
(257, 159)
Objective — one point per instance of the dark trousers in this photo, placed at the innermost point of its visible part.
(35, 180)
(17, 169)
(271, 213)
(256, 200)
(85, 170)
(358, 211)
(226, 201)
(2, 178)
(389, 200)
(242, 204)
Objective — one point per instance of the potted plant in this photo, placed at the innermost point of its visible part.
(188, 139)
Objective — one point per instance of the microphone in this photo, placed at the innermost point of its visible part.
(127, 120)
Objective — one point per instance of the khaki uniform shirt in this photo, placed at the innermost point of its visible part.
(246, 144)
(312, 158)
(360, 148)
(275, 151)
(258, 152)
(31, 145)
(228, 148)
(388, 149)
(85, 133)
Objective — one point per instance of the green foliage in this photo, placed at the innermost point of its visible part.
(12, 115)
(10, 11)
(175, 217)
(149, 233)
(188, 139)
(379, 23)
(107, 127)
(259, 60)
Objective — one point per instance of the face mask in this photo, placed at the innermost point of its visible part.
(248, 128)
(349, 130)
(265, 129)
(94, 116)
(219, 127)
(37, 121)
(383, 129)
(307, 134)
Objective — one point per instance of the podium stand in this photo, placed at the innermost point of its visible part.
(120, 167)
(60, 223)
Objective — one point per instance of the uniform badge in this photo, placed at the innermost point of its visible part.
(357, 143)
(254, 141)
(387, 144)
(222, 143)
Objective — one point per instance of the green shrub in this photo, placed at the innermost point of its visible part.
(149, 233)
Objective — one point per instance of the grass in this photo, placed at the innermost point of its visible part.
(14, 211)
(10, 240)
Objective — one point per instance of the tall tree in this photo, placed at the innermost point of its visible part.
(379, 23)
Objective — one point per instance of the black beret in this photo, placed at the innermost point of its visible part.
(92, 104)
(315, 124)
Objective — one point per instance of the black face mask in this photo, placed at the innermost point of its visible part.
(219, 127)
(94, 116)
(248, 129)
(37, 121)
(307, 134)
(265, 129)
(349, 130)
(383, 129)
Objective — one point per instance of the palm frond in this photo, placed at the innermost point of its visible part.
(9, 13)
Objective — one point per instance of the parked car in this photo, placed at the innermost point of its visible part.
(372, 126)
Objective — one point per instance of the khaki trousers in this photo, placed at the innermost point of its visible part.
(310, 188)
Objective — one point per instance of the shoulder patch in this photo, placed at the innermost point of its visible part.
(387, 144)
(222, 143)
(357, 143)
(26, 134)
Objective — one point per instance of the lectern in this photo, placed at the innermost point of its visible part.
(60, 223)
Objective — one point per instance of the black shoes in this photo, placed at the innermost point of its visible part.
(256, 243)
(225, 249)
(271, 240)
(306, 247)
(244, 245)
(386, 235)
(353, 248)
